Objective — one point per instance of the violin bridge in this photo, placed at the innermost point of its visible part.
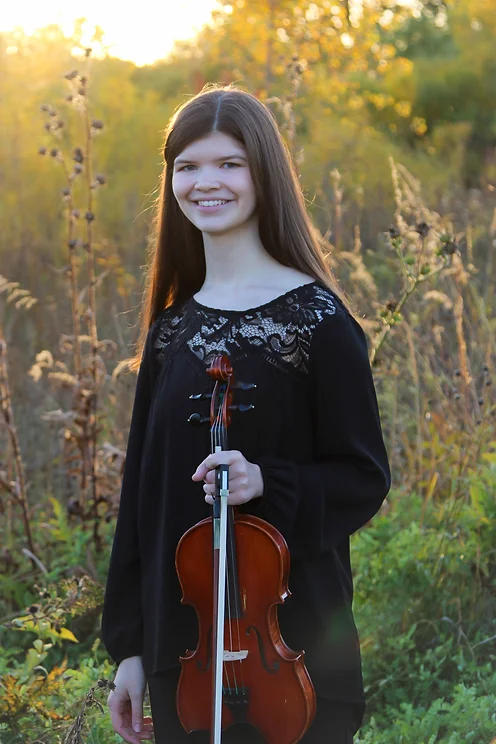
(235, 655)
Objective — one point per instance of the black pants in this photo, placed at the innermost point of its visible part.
(334, 722)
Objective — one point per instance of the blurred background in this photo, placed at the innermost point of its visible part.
(389, 111)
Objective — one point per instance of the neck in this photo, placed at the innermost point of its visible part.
(235, 259)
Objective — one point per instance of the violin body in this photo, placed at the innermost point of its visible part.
(265, 683)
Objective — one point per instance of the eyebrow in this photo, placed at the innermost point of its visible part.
(233, 156)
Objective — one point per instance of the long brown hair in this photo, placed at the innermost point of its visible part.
(176, 267)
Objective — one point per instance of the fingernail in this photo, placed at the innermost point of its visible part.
(137, 727)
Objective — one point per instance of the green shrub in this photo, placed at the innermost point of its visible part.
(465, 716)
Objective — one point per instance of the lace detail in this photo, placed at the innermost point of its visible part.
(281, 330)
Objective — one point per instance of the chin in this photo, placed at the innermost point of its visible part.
(220, 228)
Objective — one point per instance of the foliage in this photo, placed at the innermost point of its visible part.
(425, 604)
(465, 715)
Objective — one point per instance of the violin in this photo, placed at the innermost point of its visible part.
(233, 569)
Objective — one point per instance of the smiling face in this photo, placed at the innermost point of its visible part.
(212, 184)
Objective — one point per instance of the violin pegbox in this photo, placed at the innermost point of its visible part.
(221, 404)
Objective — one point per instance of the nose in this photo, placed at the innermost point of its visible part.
(207, 179)
(206, 184)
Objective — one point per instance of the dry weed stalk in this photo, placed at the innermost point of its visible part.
(422, 246)
(453, 423)
(80, 425)
(73, 736)
(337, 191)
(17, 487)
(294, 69)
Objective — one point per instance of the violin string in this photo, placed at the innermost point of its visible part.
(232, 546)
(230, 566)
(238, 609)
(218, 441)
(232, 538)
(213, 445)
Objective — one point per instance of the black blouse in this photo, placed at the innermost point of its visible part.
(316, 435)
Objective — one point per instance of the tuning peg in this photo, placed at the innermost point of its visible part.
(242, 407)
(200, 396)
(196, 420)
(244, 385)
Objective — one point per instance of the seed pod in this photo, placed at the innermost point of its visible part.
(78, 155)
(89, 216)
(71, 75)
(78, 168)
(42, 151)
(100, 178)
(97, 124)
(450, 248)
(54, 152)
(422, 228)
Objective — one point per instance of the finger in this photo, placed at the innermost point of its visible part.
(137, 710)
(226, 457)
(129, 735)
(123, 729)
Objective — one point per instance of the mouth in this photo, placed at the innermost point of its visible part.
(210, 205)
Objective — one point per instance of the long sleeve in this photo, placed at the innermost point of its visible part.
(122, 625)
(318, 504)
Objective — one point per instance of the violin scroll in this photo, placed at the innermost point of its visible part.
(220, 398)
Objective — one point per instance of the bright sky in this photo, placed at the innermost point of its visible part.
(142, 31)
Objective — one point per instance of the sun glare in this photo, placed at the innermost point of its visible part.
(141, 32)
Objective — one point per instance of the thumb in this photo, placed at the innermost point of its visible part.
(137, 710)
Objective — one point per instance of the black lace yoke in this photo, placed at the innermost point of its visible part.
(315, 433)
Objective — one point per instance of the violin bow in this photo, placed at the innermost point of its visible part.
(219, 586)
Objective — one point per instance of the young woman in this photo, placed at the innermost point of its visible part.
(237, 270)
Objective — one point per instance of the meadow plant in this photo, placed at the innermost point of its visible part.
(80, 425)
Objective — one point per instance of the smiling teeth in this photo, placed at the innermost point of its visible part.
(213, 203)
